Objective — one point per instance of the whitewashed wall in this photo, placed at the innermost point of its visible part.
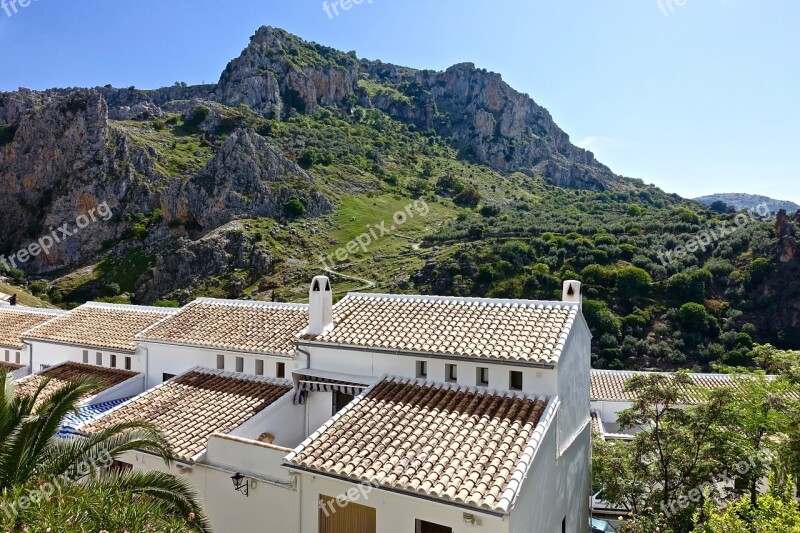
(536, 380)
(395, 513)
(51, 354)
(268, 507)
(176, 359)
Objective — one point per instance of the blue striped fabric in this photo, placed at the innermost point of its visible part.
(86, 414)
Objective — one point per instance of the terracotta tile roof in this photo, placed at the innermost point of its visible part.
(194, 406)
(66, 372)
(254, 327)
(609, 385)
(517, 330)
(99, 325)
(467, 446)
(14, 321)
(9, 367)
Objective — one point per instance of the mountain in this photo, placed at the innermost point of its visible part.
(741, 201)
(303, 158)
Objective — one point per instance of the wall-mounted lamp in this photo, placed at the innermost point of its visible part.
(240, 484)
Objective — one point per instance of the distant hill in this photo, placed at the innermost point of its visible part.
(749, 201)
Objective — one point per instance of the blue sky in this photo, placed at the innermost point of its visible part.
(696, 96)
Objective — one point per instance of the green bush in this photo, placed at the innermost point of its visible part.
(7, 132)
(199, 114)
(694, 317)
(294, 208)
(469, 197)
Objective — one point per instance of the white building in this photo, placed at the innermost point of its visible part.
(97, 334)
(14, 321)
(395, 413)
(256, 338)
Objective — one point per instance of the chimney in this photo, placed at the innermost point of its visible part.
(320, 299)
(572, 292)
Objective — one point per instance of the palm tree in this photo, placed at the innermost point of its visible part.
(68, 473)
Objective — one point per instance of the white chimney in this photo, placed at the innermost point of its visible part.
(572, 292)
(320, 299)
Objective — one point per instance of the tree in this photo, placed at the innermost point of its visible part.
(676, 449)
(59, 477)
(633, 282)
(469, 197)
(761, 408)
(774, 512)
(694, 317)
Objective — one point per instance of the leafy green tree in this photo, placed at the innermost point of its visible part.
(633, 282)
(694, 317)
(774, 512)
(601, 319)
(676, 449)
(32, 458)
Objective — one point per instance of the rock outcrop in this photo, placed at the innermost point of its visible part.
(279, 72)
(490, 122)
(246, 178)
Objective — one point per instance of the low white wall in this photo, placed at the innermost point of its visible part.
(126, 389)
(283, 420)
(267, 508)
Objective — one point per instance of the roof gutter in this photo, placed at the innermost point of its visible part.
(430, 355)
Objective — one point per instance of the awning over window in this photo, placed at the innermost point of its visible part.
(309, 380)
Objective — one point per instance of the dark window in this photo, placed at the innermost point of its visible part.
(515, 380)
(259, 367)
(280, 370)
(127, 363)
(99, 358)
(240, 364)
(167, 377)
(220, 362)
(451, 373)
(86, 357)
(564, 525)
(340, 400)
(113, 361)
(430, 527)
(422, 369)
(119, 467)
(483, 376)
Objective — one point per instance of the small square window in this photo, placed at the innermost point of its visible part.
(220, 362)
(280, 370)
(128, 363)
(422, 369)
(483, 376)
(240, 364)
(259, 367)
(451, 373)
(86, 357)
(515, 380)
(98, 359)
